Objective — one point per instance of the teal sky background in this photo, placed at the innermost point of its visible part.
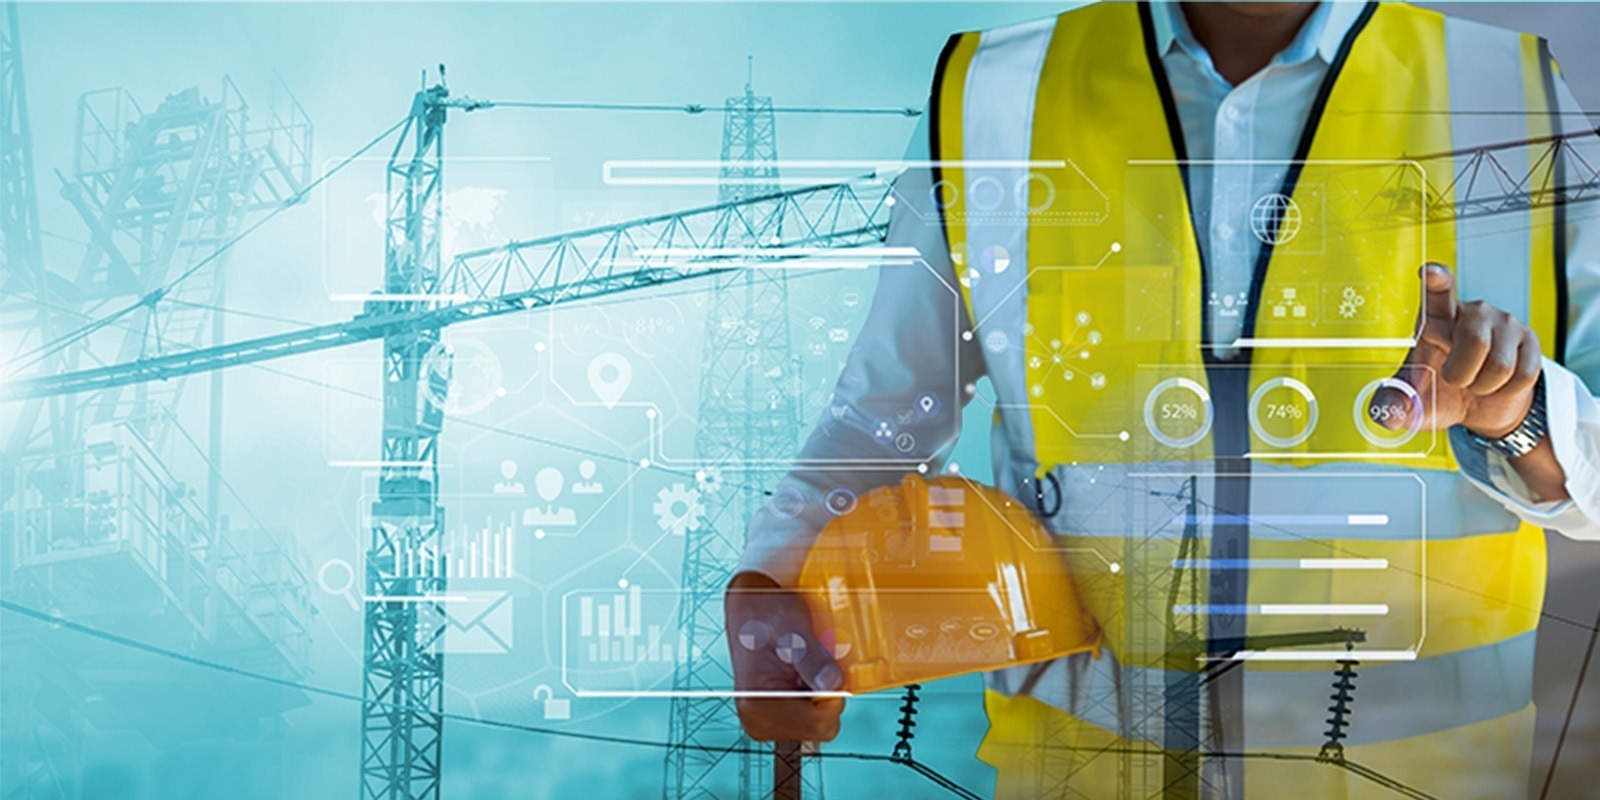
(354, 68)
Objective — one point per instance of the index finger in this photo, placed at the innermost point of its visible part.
(1439, 284)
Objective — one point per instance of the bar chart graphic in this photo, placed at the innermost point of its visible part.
(485, 550)
(623, 641)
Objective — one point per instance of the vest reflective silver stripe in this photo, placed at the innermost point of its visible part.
(1487, 243)
(1508, 658)
(997, 126)
(1285, 709)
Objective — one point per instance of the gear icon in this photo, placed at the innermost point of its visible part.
(678, 509)
(1350, 302)
(708, 480)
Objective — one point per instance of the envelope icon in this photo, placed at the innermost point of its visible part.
(478, 622)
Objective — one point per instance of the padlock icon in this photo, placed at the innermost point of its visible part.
(553, 708)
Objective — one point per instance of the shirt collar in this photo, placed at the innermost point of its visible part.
(1321, 35)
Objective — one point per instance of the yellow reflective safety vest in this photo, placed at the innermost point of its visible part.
(1293, 598)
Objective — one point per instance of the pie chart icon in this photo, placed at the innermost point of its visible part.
(791, 648)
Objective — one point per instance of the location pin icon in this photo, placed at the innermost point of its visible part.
(609, 375)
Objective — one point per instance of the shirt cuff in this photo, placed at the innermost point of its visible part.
(1567, 404)
(781, 532)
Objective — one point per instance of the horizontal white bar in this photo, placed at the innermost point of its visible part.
(1280, 563)
(1282, 609)
(1344, 563)
(1320, 343)
(1318, 655)
(1301, 609)
(765, 264)
(778, 251)
(792, 164)
(1340, 456)
(1369, 519)
(714, 693)
(790, 173)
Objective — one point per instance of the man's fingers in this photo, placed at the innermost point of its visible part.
(790, 719)
(818, 669)
(1439, 285)
(1501, 362)
(1437, 333)
(1530, 360)
(1469, 346)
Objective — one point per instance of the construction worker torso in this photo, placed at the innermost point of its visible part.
(1240, 523)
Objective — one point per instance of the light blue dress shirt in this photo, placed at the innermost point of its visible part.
(913, 337)
(1249, 130)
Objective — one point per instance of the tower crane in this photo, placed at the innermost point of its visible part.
(403, 678)
(422, 294)
(402, 730)
(533, 274)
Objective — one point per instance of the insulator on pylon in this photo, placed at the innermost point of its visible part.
(908, 721)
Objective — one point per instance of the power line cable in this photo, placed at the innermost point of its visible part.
(610, 300)
(692, 109)
(236, 312)
(486, 427)
(1593, 629)
(1572, 706)
(156, 295)
(60, 622)
(921, 768)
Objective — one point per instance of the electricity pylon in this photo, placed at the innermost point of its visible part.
(749, 415)
(518, 277)
(23, 267)
(403, 675)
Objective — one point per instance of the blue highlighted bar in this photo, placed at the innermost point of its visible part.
(1285, 609)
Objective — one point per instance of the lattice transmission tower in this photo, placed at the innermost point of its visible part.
(99, 516)
(749, 417)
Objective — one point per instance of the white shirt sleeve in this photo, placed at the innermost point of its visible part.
(1572, 409)
(909, 346)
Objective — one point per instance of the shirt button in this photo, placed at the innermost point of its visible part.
(1231, 112)
(1224, 231)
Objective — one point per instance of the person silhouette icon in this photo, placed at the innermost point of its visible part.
(510, 485)
(588, 485)
(548, 483)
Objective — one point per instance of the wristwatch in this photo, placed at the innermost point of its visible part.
(1521, 441)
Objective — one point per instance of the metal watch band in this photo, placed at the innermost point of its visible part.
(1526, 436)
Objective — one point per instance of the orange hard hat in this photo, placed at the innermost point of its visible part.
(929, 579)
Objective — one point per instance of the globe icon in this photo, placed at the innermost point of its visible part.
(1275, 219)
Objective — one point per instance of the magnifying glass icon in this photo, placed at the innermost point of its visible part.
(336, 576)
